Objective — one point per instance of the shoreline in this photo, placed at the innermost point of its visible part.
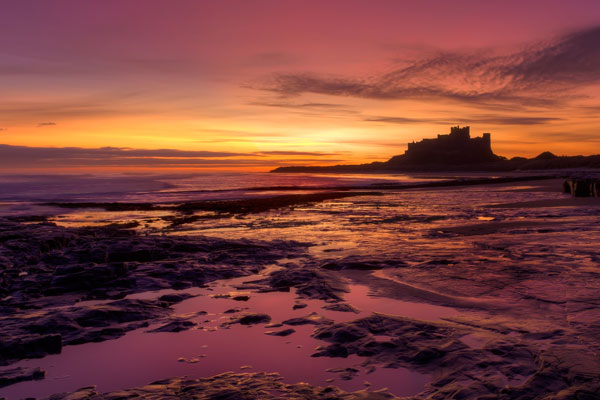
(427, 283)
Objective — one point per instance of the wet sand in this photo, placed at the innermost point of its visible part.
(566, 202)
(402, 295)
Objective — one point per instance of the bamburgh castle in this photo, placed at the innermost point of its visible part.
(455, 148)
(458, 151)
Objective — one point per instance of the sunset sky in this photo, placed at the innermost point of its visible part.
(258, 84)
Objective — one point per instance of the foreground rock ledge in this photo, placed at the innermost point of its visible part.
(44, 266)
(227, 386)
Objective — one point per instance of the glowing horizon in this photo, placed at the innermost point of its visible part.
(298, 82)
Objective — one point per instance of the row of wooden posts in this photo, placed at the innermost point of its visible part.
(583, 187)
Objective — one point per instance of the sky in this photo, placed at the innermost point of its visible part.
(252, 85)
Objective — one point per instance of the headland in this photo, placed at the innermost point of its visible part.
(456, 151)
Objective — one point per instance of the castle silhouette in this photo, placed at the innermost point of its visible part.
(457, 147)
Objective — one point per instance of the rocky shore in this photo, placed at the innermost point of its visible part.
(500, 307)
(51, 276)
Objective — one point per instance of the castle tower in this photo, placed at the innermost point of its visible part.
(464, 133)
(487, 139)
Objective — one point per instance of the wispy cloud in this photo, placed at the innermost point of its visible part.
(566, 137)
(488, 119)
(110, 103)
(24, 156)
(41, 153)
(46, 124)
(297, 153)
(327, 106)
(541, 75)
(329, 110)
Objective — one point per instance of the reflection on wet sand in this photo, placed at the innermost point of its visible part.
(431, 292)
(214, 346)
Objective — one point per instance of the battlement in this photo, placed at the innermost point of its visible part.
(460, 133)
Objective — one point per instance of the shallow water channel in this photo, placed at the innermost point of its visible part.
(140, 357)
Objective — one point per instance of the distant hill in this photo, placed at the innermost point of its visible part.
(456, 151)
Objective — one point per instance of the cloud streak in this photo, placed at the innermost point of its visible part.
(489, 119)
(41, 153)
(541, 75)
(326, 106)
(297, 153)
(112, 103)
(24, 156)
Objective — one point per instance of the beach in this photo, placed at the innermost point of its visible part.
(261, 286)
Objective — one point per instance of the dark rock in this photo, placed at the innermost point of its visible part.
(228, 386)
(352, 265)
(299, 305)
(473, 372)
(334, 350)
(16, 375)
(345, 373)
(251, 319)
(342, 334)
(25, 345)
(284, 332)
(175, 297)
(310, 282)
(44, 265)
(176, 325)
(424, 356)
(274, 325)
(341, 307)
(222, 208)
(50, 330)
(118, 312)
(312, 318)
(100, 262)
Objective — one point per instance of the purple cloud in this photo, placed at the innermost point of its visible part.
(541, 75)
